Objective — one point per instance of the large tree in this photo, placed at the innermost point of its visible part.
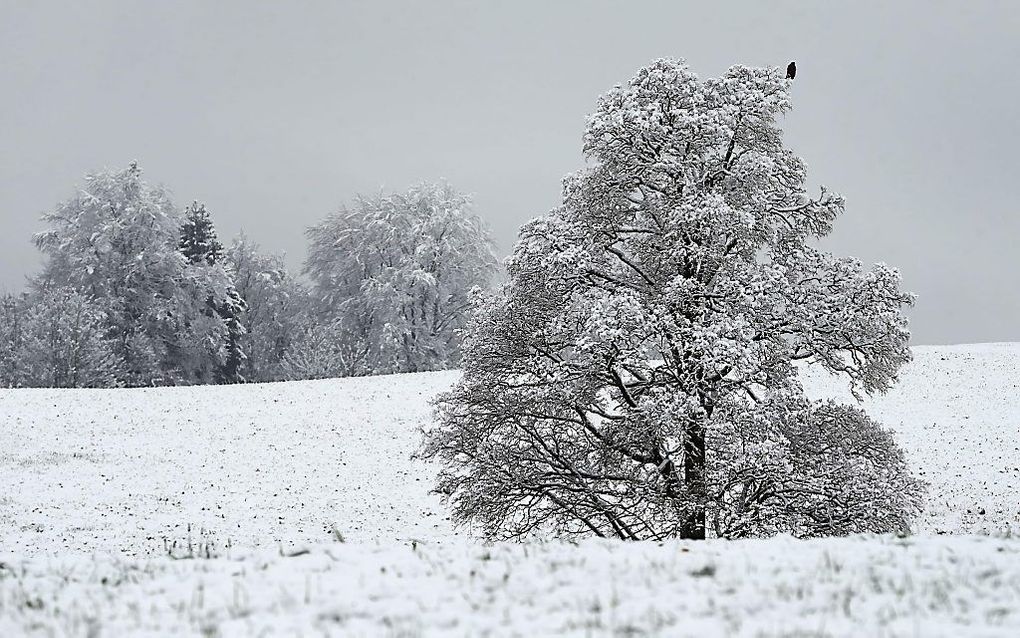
(636, 377)
(392, 275)
(116, 241)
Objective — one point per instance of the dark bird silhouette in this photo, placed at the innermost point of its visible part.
(791, 70)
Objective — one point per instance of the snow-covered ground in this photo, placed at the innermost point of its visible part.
(124, 470)
(110, 498)
(836, 587)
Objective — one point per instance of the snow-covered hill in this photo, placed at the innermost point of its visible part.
(254, 474)
(123, 470)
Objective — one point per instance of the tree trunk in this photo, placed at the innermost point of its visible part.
(694, 478)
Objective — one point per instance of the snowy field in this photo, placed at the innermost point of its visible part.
(836, 587)
(124, 471)
(297, 508)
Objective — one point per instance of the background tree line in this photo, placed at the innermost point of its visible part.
(136, 292)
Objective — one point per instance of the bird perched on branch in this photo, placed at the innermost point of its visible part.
(791, 70)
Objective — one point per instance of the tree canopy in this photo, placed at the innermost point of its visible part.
(118, 241)
(393, 273)
(635, 376)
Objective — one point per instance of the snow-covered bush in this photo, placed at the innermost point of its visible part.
(634, 377)
(64, 343)
(325, 351)
(395, 272)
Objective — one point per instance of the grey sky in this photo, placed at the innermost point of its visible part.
(275, 113)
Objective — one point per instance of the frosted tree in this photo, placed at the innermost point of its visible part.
(392, 274)
(635, 375)
(274, 303)
(233, 356)
(116, 241)
(12, 331)
(199, 243)
(203, 250)
(65, 343)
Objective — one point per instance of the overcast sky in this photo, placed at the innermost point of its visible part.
(275, 113)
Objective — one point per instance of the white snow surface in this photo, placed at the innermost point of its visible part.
(937, 586)
(218, 510)
(122, 470)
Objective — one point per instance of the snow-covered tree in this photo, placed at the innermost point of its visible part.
(199, 243)
(12, 337)
(635, 375)
(201, 247)
(274, 303)
(395, 272)
(65, 343)
(117, 242)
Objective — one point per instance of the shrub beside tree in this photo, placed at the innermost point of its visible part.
(56, 338)
(66, 344)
